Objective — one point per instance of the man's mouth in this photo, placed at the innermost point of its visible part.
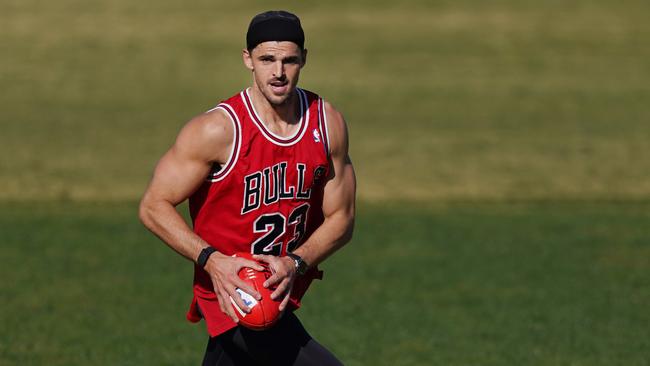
(279, 87)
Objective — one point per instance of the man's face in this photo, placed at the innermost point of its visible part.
(276, 68)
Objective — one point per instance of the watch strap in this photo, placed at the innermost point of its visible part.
(301, 265)
(204, 255)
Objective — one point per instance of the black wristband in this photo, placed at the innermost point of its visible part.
(204, 255)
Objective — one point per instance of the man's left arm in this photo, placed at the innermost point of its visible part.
(338, 209)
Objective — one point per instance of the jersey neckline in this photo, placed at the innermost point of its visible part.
(274, 138)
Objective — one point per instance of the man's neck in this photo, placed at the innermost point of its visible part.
(285, 114)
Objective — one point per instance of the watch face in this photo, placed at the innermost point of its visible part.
(301, 267)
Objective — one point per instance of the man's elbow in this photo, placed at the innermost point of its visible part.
(145, 212)
(348, 228)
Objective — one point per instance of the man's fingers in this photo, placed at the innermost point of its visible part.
(224, 294)
(220, 299)
(247, 288)
(251, 264)
(225, 305)
(242, 300)
(274, 279)
(218, 293)
(230, 311)
(236, 298)
(285, 301)
(269, 259)
(262, 257)
(281, 289)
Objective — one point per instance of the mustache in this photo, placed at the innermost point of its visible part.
(280, 79)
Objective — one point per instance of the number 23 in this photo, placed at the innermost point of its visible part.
(275, 225)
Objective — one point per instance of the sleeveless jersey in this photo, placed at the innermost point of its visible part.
(266, 199)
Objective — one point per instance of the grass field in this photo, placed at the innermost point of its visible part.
(464, 100)
(501, 149)
(468, 284)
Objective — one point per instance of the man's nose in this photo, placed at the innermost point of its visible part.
(278, 72)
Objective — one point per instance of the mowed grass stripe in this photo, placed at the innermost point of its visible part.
(489, 284)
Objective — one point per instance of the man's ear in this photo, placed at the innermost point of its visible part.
(304, 58)
(248, 59)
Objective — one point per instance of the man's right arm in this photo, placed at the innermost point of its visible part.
(203, 141)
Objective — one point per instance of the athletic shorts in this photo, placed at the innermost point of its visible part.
(287, 343)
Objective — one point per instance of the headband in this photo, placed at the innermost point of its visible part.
(275, 25)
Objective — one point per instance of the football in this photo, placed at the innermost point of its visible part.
(264, 313)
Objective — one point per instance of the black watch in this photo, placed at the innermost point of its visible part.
(204, 255)
(301, 265)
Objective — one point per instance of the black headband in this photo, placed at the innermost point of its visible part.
(275, 25)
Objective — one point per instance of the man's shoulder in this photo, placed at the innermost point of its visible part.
(336, 128)
(218, 119)
(208, 134)
(334, 118)
(330, 111)
(211, 124)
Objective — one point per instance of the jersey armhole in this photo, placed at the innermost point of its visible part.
(236, 144)
(322, 125)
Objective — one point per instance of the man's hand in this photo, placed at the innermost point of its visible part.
(283, 272)
(223, 271)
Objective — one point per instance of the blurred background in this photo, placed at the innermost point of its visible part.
(501, 148)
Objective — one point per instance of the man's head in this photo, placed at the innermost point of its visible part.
(275, 54)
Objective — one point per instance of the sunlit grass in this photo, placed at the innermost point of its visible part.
(445, 101)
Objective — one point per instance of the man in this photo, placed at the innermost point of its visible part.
(266, 172)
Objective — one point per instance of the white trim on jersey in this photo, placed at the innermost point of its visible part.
(272, 137)
(236, 144)
(212, 109)
(327, 133)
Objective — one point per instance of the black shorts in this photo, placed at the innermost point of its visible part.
(287, 343)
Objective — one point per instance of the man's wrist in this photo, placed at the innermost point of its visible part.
(204, 255)
(300, 265)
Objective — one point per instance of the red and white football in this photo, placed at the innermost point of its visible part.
(264, 313)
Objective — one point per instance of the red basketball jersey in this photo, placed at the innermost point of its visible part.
(267, 199)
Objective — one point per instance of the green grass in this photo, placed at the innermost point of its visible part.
(488, 284)
(463, 99)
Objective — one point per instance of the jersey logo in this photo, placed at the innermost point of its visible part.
(316, 135)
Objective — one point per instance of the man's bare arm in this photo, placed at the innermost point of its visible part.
(203, 141)
(177, 175)
(338, 199)
(338, 209)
